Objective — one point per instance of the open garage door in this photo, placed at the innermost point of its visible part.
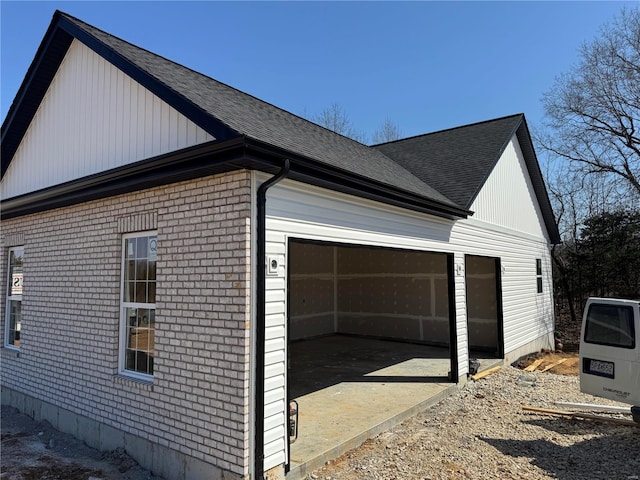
(484, 307)
(370, 334)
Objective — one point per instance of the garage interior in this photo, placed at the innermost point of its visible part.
(369, 336)
(484, 306)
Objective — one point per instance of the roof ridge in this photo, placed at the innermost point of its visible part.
(77, 20)
(220, 109)
(474, 124)
(91, 30)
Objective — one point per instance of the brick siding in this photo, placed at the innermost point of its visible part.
(198, 402)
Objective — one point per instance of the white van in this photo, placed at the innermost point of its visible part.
(610, 350)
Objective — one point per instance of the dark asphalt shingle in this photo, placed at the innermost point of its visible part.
(456, 162)
(443, 171)
(262, 121)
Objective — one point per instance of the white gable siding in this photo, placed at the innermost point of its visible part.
(507, 197)
(94, 118)
(301, 211)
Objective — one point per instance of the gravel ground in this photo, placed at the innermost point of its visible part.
(479, 433)
(483, 433)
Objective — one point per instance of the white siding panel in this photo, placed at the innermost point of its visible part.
(275, 351)
(527, 314)
(367, 221)
(94, 118)
(461, 316)
(507, 198)
(301, 211)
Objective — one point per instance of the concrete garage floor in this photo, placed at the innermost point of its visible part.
(350, 388)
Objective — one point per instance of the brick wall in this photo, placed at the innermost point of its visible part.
(198, 402)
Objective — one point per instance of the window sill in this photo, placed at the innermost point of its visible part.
(10, 352)
(133, 382)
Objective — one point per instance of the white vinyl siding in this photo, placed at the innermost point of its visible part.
(300, 211)
(94, 118)
(275, 351)
(527, 314)
(507, 198)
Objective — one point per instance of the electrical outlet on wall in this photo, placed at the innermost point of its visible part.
(272, 265)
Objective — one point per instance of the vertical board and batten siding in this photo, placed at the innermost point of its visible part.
(507, 215)
(94, 118)
(517, 238)
(507, 197)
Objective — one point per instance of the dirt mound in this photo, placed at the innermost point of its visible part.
(561, 363)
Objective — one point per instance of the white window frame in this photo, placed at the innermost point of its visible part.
(11, 298)
(125, 305)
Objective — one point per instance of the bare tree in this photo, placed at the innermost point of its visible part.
(387, 132)
(593, 111)
(335, 118)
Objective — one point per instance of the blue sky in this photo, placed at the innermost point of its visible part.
(426, 66)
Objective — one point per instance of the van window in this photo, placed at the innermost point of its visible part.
(610, 325)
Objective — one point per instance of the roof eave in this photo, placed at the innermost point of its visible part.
(212, 158)
(32, 90)
(316, 173)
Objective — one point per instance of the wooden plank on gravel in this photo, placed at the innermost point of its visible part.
(534, 365)
(595, 408)
(554, 364)
(588, 416)
(480, 375)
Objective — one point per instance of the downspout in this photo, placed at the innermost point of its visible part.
(260, 316)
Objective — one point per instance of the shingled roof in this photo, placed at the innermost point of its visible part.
(439, 173)
(221, 110)
(455, 161)
(458, 161)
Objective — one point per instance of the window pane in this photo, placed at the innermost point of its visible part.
(152, 292)
(143, 339)
(142, 362)
(152, 270)
(538, 266)
(130, 270)
(130, 360)
(140, 340)
(610, 325)
(15, 271)
(15, 322)
(132, 338)
(141, 270)
(130, 248)
(153, 248)
(539, 282)
(141, 292)
(142, 247)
